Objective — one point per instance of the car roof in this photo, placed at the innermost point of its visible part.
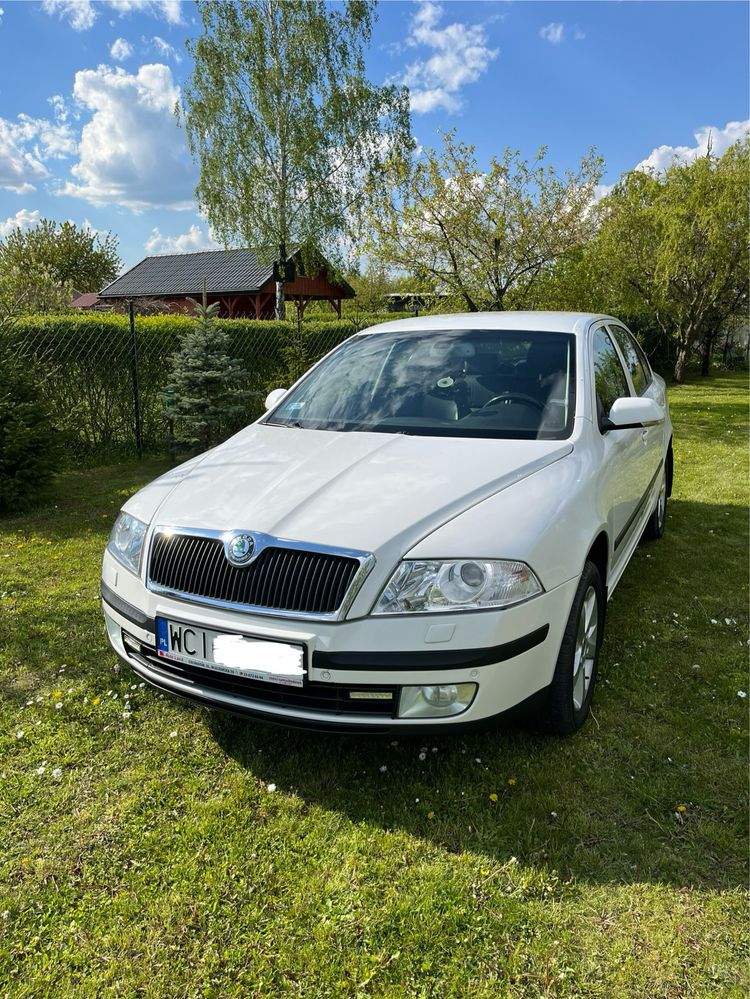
(546, 322)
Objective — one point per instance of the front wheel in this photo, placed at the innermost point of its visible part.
(577, 664)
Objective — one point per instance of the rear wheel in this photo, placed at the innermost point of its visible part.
(657, 521)
(577, 664)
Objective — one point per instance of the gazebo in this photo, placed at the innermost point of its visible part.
(241, 281)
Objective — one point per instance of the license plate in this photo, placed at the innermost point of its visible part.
(253, 658)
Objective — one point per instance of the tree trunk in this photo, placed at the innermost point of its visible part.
(706, 355)
(680, 364)
(280, 301)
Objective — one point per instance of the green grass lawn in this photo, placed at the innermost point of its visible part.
(151, 848)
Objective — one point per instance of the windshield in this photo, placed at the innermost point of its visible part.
(458, 383)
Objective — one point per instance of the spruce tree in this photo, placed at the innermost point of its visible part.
(206, 383)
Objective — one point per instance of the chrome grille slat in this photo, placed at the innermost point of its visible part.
(282, 577)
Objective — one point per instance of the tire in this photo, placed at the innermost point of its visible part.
(573, 681)
(656, 523)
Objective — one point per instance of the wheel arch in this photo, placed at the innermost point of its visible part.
(598, 553)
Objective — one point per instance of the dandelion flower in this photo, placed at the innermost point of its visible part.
(493, 796)
(430, 815)
(57, 694)
(96, 700)
(681, 808)
(511, 781)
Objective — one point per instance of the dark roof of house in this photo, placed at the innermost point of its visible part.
(224, 271)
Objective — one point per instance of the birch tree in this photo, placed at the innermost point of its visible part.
(289, 134)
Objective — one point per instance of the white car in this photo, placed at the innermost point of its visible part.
(423, 531)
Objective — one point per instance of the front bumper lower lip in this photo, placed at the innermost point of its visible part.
(374, 727)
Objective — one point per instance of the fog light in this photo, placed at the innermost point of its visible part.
(436, 700)
(440, 696)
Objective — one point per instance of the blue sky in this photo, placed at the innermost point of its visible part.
(87, 90)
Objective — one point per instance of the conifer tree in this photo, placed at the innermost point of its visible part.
(206, 383)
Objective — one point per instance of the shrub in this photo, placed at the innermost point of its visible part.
(86, 359)
(29, 443)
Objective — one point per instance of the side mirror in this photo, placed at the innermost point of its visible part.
(274, 398)
(629, 413)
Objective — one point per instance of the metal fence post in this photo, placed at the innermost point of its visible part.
(134, 379)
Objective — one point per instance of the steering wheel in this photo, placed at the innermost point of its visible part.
(526, 400)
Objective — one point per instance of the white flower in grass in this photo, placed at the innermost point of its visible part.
(383, 769)
(742, 694)
(40, 770)
(423, 756)
(126, 715)
(57, 773)
(270, 788)
(20, 734)
(58, 706)
(173, 734)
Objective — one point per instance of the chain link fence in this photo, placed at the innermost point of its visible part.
(106, 386)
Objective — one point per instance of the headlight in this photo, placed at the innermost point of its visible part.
(465, 584)
(126, 541)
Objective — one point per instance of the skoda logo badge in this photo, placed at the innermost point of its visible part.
(240, 549)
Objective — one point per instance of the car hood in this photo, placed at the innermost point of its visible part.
(364, 491)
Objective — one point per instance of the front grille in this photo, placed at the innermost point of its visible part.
(285, 579)
(331, 698)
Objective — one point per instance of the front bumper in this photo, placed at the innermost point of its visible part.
(509, 654)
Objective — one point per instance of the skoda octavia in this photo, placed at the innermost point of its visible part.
(423, 531)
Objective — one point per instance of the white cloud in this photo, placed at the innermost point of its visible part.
(168, 10)
(121, 49)
(20, 168)
(720, 139)
(81, 14)
(131, 152)
(552, 32)
(556, 32)
(460, 54)
(59, 108)
(192, 241)
(23, 219)
(166, 50)
(1, 14)
(50, 140)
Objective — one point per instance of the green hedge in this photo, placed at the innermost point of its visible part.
(86, 364)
